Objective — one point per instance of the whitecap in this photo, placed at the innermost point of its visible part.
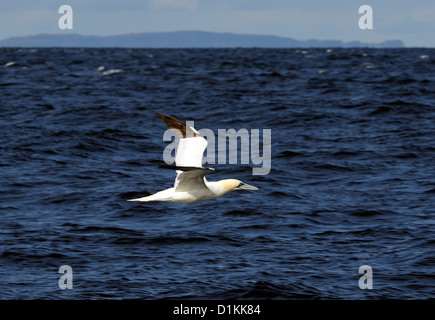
(112, 71)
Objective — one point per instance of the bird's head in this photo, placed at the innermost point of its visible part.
(234, 184)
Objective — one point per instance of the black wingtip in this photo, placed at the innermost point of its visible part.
(180, 128)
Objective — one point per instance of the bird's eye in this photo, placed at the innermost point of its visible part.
(240, 184)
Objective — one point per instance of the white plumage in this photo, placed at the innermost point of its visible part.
(190, 185)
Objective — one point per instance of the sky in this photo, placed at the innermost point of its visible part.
(413, 22)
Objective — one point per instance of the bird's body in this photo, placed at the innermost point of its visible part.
(190, 184)
(212, 190)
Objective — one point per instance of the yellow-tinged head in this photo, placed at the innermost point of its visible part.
(234, 184)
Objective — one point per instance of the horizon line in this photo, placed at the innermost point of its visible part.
(344, 42)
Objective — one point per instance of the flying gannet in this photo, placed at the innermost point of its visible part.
(190, 184)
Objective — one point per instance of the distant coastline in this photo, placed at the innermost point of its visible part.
(184, 39)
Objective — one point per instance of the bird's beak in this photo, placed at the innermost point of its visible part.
(247, 187)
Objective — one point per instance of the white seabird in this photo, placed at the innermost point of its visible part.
(190, 184)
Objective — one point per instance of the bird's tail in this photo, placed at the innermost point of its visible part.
(163, 195)
(147, 198)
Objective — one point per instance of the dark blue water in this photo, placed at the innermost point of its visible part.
(352, 180)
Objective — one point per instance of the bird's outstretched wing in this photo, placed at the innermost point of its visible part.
(188, 157)
(192, 145)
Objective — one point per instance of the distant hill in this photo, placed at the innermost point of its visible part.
(182, 39)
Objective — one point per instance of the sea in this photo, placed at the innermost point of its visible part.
(346, 212)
